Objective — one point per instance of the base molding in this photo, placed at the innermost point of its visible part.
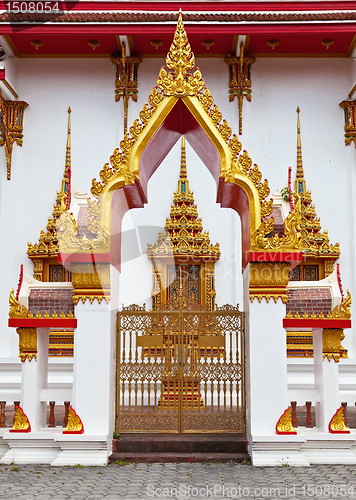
(306, 448)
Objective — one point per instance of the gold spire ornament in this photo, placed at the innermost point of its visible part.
(299, 181)
(184, 242)
(46, 250)
(314, 244)
(180, 59)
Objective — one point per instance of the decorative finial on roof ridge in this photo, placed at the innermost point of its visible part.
(68, 166)
(183, 162)
(299, 182)
(180, 59)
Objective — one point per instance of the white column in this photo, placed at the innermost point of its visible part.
(267, 366)
(94, 354)
(33, 380)
(326, 375)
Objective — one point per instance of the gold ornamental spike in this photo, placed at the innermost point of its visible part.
(300, 185)
(183, 162)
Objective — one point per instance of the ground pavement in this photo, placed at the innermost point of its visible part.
(178, 481)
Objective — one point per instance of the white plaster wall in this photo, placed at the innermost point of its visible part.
(269, 134)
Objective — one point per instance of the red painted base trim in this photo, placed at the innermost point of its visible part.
(316, 323)
(43, 322)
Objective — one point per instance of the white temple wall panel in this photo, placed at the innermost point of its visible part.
(93, 347)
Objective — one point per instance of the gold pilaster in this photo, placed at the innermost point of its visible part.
(27, 343)
(332, 338)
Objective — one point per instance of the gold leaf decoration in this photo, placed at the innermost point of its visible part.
(337, 423)
(345, 308)
(16, 310)
(181, 60)
(75, 425)
(284, 424)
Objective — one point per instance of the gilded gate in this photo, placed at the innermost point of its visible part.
(180, 370)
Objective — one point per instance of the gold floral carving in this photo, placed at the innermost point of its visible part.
(290, 240)
(337, 423)
(69, 241)
(345, 308)
(27, 343)
(90, 282)
(180, 59)
(332, 347)
(284, 424)
(269, 280)
(16, 310)
(21, 423)
(75, 425)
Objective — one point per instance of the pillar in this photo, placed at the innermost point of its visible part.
(33, 379)
(326, 375)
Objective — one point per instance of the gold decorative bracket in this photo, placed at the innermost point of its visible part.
(350, 121)
(332, 347)
(126, 84)
(75, 424)
(337, 423)
(27, 343)
(284, 424)
(11, 123)
(240, 79)
(22, 423)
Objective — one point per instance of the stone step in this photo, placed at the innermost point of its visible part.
(153, 448)
(178, 457)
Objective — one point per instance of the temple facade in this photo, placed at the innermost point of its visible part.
(178, 222)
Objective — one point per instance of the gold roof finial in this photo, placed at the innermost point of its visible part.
(183, 183)
(299, 181)
(180, 59)
(68, 166)
(183, 163)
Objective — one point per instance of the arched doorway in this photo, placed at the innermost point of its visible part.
(182, 104)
